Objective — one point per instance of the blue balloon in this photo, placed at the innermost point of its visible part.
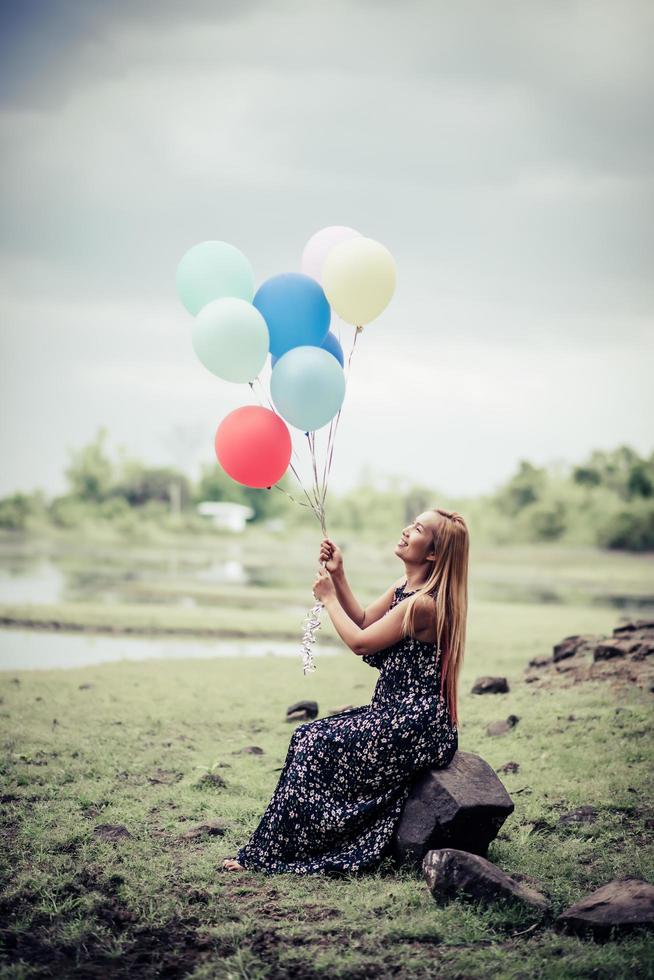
(296, 310)
(330, 343)
(308, 387)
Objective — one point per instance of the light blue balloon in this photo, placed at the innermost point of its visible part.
(330, 343)
(296, 310)
(210, 271)
(307, 386)
(231, 339)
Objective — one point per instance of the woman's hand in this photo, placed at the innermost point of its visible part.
(332, 555)
(323, 587)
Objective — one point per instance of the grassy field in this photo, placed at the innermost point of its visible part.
(129, 744)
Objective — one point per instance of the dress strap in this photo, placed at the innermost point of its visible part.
(403, 589)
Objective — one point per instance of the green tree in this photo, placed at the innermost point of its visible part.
(90, 473)
(631, 529)
(14, 511)
(526, 487)
(545, 520)
(215, 484)
(621, 470)
(139, 484)
(416, 500)
(640, 482)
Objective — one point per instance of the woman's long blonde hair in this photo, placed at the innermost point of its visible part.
(448, 586)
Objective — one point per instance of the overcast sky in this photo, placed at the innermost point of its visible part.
(502, 151)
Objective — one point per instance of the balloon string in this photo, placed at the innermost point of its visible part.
(310, 503)
(300, 502)
(251, 384)
(312, 621)
(330, 450)
(324, 472)
(332, 431)
(311, 436)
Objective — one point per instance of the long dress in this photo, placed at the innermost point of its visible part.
(346, 777)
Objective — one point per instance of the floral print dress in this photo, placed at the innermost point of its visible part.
(346, 777)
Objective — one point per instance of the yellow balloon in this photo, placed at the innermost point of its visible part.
(358, 278)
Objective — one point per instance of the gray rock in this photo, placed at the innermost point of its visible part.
(638, 644)
(634, 639)
(636, 624)
(571, 645)
(451, 873)
(462, 806)
(490, 685)
(622, 905)
(644, 648)
(302, 711)
(608, 649)
(502, 727)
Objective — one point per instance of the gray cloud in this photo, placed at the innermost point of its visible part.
(503, 152)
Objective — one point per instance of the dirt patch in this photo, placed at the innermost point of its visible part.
(147, 629)
(171, 949)
(111, 832)
(165, 776)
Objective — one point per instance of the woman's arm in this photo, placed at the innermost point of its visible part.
(348, 631)
(382, 634)
(350, 604)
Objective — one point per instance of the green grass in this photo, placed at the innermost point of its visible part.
(132, 747)
(228, 621)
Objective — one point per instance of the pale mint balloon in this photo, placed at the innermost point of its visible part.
(307, 385)
(231, 339)
(210, 271)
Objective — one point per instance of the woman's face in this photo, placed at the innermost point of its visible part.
(417, 540)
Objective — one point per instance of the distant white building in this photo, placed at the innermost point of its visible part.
(226, 515)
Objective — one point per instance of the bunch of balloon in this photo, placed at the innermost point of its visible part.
(358, 277)
(215, 283)
(289, 317)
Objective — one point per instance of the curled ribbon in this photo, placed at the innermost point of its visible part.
(311, 624)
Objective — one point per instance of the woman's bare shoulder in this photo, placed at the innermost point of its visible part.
(425, 609)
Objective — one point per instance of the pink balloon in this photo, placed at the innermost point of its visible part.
(316, 249)
(253, 446)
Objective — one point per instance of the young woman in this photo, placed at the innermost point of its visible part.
(346, 777)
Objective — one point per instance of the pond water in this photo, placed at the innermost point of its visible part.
(43, 579)
(21, 584)
(41, 574)
(170, 579)
(45, 650)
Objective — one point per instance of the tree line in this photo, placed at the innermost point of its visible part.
(606, 500)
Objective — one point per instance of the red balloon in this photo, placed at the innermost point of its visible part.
(253, 446)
